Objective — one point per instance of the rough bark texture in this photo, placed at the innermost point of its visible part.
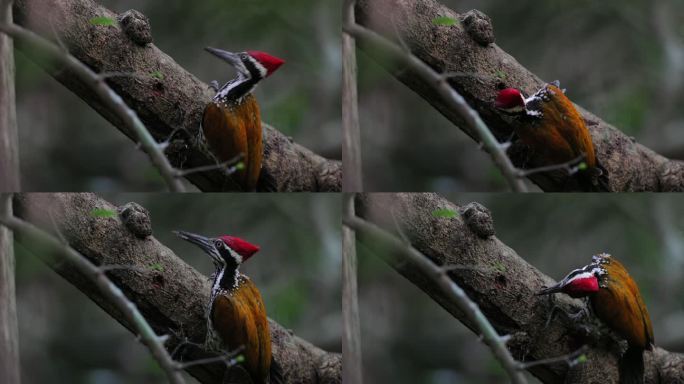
(466, 48)
(172, 296)
(9, 334)
(174, 100)
(504, 287)
(9, 150)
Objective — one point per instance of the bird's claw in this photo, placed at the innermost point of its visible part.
(579, 315)
(214, 85)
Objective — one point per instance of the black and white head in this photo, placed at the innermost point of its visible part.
(583, 281)
(227, 253)
(511, 101)
(251, 67)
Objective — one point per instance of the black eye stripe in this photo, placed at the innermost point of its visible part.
(251, 67)
(576, 272)
(594, 269)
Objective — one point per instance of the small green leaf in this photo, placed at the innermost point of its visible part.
(157, 75)
(102, 212)
(156, 267)
(240, 166)
(501, 75)
(582, 358)
(582, 166)
(239, 359)
(102, 20)
(500, 267)
(444, 21)
(445, 213)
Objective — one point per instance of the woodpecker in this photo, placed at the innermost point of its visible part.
(549, 124)
(231, 124)
(236, 316)
(615, 299)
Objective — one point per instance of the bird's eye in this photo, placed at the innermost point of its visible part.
(218, 243)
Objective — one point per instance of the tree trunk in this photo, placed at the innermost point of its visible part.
(9, 148)
(9, 341)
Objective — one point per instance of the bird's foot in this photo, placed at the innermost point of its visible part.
(579, 316)
(214, 85)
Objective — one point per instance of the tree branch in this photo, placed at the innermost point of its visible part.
(10, 372)
(37, 237)
(351, 131)
(415, 259)
(9, 150)
(459, 49)
(172, 296)
(172, 100)
(473, 123)
(108, 98)
(502, 284)
(351, 345)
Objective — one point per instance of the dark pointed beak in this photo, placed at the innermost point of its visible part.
(205, 243)
(232, 58)
(549, 290)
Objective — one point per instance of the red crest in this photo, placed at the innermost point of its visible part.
(241, 247)
(509, 98)
(271, 63)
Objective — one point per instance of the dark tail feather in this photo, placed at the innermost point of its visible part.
(632, 366)
(276, 374)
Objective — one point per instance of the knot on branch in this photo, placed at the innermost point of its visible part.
(671, 174)
(136, 219)
(330, 369)
(479, 27)
(479, 220)
(136, 26)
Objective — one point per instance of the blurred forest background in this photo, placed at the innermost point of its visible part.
(408, 338)
(66, 338)
(622, 60)
(67, 146)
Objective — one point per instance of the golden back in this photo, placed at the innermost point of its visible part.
(231, 129)
(622, 308)
(561, 135)
(239, 319)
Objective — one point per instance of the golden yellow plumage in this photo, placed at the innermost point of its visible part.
(621, 307)
(239, 319)
(231, 129)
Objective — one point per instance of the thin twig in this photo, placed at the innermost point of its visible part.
(398, 228)
(147, 335)
(571, 359)
(56, 227)
(229, 165)
(229, 358)
(109, 98)
(60, 42)
(453, 99)
(570, 166)
(489, 335)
